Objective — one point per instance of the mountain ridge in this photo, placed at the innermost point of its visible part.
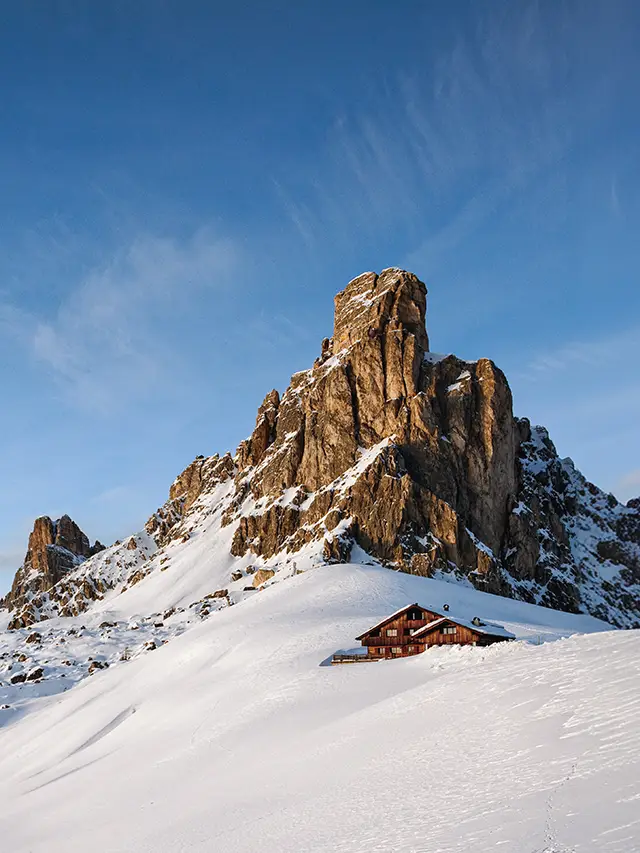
(412, 457)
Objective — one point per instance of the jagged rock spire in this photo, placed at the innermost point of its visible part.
(55, 548)
(440, 434)
(371, 304)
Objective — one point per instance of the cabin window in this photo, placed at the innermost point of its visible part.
(396, 650)
(392, 632)
(411, 649)
(448, 629)
(415, 614)
(381, 651)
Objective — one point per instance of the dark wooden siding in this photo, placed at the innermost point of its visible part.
(379, 639)
(381, 645)
(463, 636)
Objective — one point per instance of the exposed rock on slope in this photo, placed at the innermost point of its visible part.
(583, 545)
(201, 475)
(415, 458)
(121, 565)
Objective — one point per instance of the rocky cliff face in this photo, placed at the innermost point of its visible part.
(55, 549)
(382, 444)
(417, 459)
(386, 451)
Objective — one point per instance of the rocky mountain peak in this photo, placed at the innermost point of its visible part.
(63, 533)
(418, 459)
(380, 451)
(55, 548)
(371, 304)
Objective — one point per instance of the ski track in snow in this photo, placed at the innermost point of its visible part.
(232, 737)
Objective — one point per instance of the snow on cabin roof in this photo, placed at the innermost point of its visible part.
(490, 628)
(390, 617)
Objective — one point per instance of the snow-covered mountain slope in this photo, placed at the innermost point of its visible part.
(200, 715)
(233, 737)
(587, 543)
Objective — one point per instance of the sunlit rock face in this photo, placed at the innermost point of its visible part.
(55, 548)
(418, 459)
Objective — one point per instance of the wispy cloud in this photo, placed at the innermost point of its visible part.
(438, 149)
(104, 341)
(601, 353)
(587, 394)
(113, 495)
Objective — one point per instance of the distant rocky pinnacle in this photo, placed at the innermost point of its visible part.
(55, 549)
(416, 460)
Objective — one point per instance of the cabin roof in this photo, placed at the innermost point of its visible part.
(491, 629)
(393, 616)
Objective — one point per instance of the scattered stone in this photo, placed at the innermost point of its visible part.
(219, 593)
(262, 576)
(35, 674)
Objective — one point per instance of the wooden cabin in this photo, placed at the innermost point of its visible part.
(414, 628)
(393, 637)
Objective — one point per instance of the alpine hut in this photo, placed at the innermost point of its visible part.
(414, 628)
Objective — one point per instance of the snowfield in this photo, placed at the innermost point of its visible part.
(233, 737)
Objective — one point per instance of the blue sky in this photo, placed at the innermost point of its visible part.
(186, 186)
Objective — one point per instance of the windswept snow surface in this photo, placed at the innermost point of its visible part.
(233, 738)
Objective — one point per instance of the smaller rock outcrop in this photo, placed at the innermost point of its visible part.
(203, 474)
(55, 548)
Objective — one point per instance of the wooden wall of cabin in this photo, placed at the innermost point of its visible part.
(404, 626)
(463, 636)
